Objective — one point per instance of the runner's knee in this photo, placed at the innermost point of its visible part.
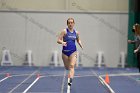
(71, 67)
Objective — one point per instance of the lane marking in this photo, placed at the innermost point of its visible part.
(130, 76)
(3, 79)
(17, 75)
(78, 76)
(63, 82)
(23, 81)
(103, 82)
(25, 91)
(123, 74)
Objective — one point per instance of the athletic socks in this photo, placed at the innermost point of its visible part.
(69, 81)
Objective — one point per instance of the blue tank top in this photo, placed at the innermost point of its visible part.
(70, 38)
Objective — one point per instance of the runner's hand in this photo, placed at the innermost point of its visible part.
(64, 43)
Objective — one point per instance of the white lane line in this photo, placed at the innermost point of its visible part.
(25, 91)
(18, 75)
(76, 76)
(23, 81)
(103, 82)
(63, 82)
(128, 75)
(3, 79)
(123, 74)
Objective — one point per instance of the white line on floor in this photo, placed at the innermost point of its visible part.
(63, 82)
(25, 91)
(23, 81)
(4, 79)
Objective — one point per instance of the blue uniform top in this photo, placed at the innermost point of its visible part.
(70, 38)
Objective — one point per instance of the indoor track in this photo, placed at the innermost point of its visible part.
(54, 80)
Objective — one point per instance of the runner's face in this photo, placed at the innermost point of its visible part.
(70, 24)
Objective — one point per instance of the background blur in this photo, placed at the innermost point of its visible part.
(35, 24)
